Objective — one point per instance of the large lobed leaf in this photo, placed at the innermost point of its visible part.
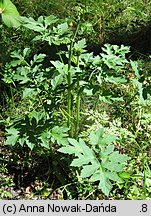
(99, 162)
(10, 15)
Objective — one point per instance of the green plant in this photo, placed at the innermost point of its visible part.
(6, 181)
(10, 15)
(58, 90)
(99, 162)
(79, 72)
(77, 94)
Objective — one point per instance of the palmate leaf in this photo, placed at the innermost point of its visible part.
(16, 54)
(10, 15)
(22, 79)
(44, 137)
(76, 145)
(114, 56)
(104, 178)
(99, 162)
(13, 135)
(59, 135)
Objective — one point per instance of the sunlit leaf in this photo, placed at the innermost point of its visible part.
(56, 81)
(135, 68)
(44, 137)
(29, 92)
(10, 15)
(29, 144)
(59, 135)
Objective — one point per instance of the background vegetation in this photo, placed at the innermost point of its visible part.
(41, 107)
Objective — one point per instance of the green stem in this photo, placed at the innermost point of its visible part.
(144, 179)
(61, 59)
(77, 110)
(69, 80)
(12, 99)
(77, 104)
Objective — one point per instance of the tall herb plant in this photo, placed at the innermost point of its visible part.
(77, 72)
